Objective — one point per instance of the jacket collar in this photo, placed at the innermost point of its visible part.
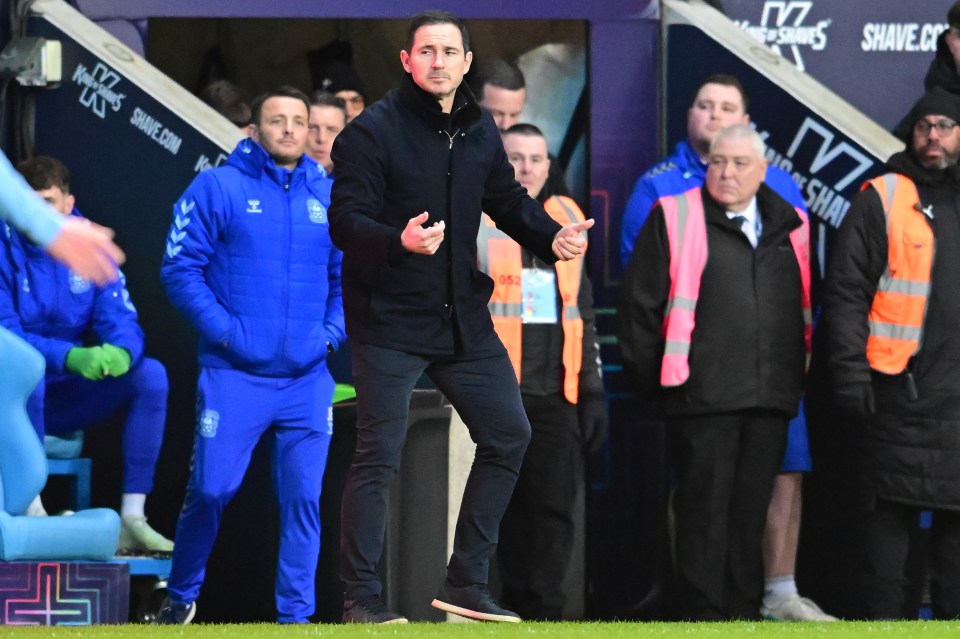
(690, 162)
(906, 164)
(465, 110)
(775, 212)
(253, 159)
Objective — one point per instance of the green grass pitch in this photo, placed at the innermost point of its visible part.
(568, 630)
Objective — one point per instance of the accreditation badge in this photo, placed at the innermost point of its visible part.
(539, 289)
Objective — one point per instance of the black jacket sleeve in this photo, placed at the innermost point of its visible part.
(357, 196)
(857, 261)
(642, 304)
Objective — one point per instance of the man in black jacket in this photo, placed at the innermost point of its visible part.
(891, 312)
(719, 344)
(416, 303)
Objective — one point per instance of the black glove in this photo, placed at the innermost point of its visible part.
(594, 424)
(855, 399)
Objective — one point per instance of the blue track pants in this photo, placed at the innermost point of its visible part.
(234, 409)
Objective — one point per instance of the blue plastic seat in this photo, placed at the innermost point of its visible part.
(63, 458)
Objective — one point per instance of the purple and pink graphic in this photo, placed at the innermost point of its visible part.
(63, 594)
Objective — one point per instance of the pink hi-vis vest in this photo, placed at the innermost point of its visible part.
(687, 238)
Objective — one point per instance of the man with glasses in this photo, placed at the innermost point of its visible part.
(891, 312)
(719, 347)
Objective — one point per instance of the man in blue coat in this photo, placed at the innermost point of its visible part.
(250, 263)
(93, 348)
(719, 102)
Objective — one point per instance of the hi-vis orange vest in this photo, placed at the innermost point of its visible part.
(500, 258)
(687, 238)
(900, 305)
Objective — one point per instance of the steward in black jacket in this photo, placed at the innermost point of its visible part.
(911, 445)
(907, 450)
(747, 349)
(726, 423)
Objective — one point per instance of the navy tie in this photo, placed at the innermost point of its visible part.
(741, 220)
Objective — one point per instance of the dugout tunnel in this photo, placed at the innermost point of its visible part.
(134, 138)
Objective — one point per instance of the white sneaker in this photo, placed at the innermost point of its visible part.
(36, 509)
(795, 608)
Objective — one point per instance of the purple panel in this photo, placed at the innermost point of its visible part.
(857, 53)
(126, 32)
(624, 76)
(61, 594)
(507, 9)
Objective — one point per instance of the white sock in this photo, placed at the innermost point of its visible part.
(35, 509)
(779, 588)
(131, 505)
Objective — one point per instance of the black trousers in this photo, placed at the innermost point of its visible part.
(482, 387)
(725, 466)
(537, 533)
(883, 581)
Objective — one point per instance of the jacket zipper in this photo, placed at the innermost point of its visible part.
(287, 245)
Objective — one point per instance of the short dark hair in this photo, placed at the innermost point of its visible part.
(497, 72)
(523, 128)
(550, 187)
(284, 91)
(433, 16)
(229, 100)
(327, 99)
(726, 80)
(45, 172)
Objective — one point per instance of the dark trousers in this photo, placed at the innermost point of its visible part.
(888, 530)
(725, 466)
(483, 389)
(537, 533)
(70, 402)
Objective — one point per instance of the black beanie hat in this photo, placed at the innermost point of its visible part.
(936, 101)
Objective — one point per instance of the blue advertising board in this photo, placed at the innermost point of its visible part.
(810, 132)
(873, 53)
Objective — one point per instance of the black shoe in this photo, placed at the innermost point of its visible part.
(472, 602)
(369, 610)
(176, 614)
